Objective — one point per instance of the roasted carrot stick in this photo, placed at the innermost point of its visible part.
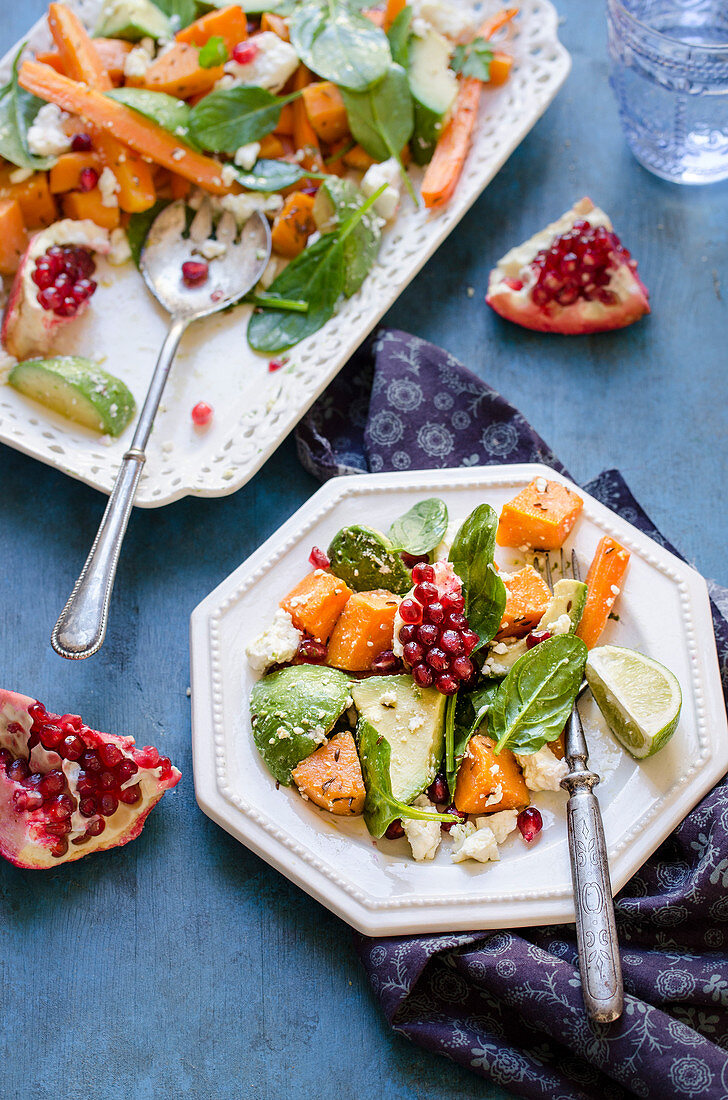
(604, 581)
(304, 135)
(392, 10)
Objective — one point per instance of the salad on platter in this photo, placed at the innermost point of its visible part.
(309, 111)
(411, 679)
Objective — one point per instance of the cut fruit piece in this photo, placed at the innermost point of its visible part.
(573, 277)
(639, 698)
(434, 88)
(412, 721)
(178, 72)
(540, 516)
(67, 790)
(487, 783)
(366, 560)
(326, 111)
(13, 238)
(316, 603)
(562, 616)
(331, 776)
(604, 583)
(33, 195)
(78, 389)
(132, 19)
(528, 596)
(364, 629)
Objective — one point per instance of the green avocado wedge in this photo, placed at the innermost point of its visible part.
(365, 559)
(132, 19)
(78, 389)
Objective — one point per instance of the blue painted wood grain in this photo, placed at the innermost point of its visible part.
(182, 965)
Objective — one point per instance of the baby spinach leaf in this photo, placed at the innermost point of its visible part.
(466, 711)
(185, 11)
(471, 555)
(213, 53)
(18, 109)
(473, 59)
(230, 117)
(362, 244)
(338, 43)
(139, 226)
(399, 37)
(535, 699)
(382, 118)
(273, 175)
(166, 110)
(422, 528)
(381, 808)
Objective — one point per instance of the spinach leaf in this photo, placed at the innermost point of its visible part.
(213, 53)
(166, 110)
(185, 11)
(139, 226)
(382, 118)
(18, 109)
(422, 528)
(399, 37)
(338, 43)
(230, 117)
(535, 699)
(273, 175)
(471, 555)
(257, 7)
(336, 201)
(473, 59)
(465, 712)
(381, 808)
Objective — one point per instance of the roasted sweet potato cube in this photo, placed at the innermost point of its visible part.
(331, 776)
(540, 517)
(528, 596)
(482, 775)
(316, 603)
(364, 630)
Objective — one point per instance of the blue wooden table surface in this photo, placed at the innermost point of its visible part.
(182, 965)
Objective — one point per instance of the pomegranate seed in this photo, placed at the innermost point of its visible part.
(201, 414)
(425, 593)
(148, 757)
(88, 179)
(470, 639)
(410, 611)
(71, 747)
(67, 307)
(411, 560)
(427, 634)
(51, 736)
(52, 783)
(422, 675)
(514, 284)
(463, 668)
(49, 298)
(413, 653)
(395, 830)
(452, 809)
(446, 684)
(434, 613)
(195, 272)
(437, 658)
(96, 827)
(27, 800)
(91, 762)
(276, 364)
(423, 572)
(452, 601)
(318, 559)
(59, 848)
(536, 637)
(85, 783)
(81, 143)
(408, 633)
(108, 804)
(386, 664)
(37, 712)
(108, 781)
(42, 276)
(452, 642)
(17, 771)
(87, 806)
(129, 795)
(125, 770)
(83, 289)
(530, 823)
(166, 765)
(245, 52)
(311, 652)
(437, 791)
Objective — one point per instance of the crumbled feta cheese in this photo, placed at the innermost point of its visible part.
(386, 173)
(453, 20)
(389, 699)
(109, 188)
(542, 771)
(244, 205)
(120, 251)
(541, 485)
(46, 136)
(423, 836)
(212, 249)
(137, 61)
(275, 645)
(246, 156)
(474, 843)
(562, 625)
(274, 61)
(614, 590)
(228, 174)
(495, 796)
(500, 647)
(501, 824)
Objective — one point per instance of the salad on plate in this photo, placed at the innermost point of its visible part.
(411, 679)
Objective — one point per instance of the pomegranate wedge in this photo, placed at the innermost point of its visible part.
(67, 790)
(573, 277)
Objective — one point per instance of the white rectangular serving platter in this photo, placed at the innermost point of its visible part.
(254, 408)
(376, 886)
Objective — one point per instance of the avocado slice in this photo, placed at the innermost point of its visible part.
(568, 599)
(76, 388)
(292, 711)
(434, 88)
(336, 200)
(366, 560)
(132, 19)
(412, 720)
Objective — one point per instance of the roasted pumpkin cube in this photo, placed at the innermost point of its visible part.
(178, 72)
(326, 111)
(65, 174)
(293, 225)
(483, 775)
(33, 195)
(12, 236)
(331, 776)
(540, 517)
(316, 603)
(89, 204)
(527, 597)
(364, 630)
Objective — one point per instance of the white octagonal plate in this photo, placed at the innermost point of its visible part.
(376, 886)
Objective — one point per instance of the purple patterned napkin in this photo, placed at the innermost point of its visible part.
(508, 1004)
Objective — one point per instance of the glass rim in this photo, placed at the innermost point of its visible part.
(718, 47)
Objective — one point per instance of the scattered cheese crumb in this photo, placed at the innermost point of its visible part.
(423, 836)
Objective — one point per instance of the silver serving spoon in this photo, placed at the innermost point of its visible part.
(81, 628)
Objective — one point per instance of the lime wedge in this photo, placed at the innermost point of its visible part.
(639, 698)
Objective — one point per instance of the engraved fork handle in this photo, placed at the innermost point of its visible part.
(81, 626)
(596, 933)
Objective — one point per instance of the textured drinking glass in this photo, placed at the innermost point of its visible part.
(669, 71)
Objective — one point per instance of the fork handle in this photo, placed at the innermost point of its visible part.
(596, 933)
(81, 626)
